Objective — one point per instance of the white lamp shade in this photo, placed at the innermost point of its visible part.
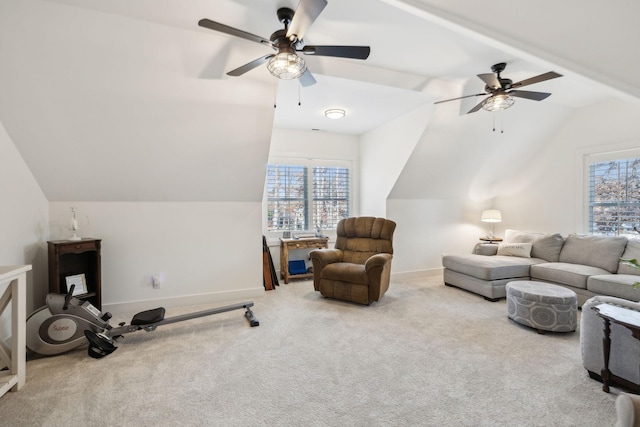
(491, 215)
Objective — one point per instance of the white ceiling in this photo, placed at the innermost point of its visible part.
(413, 61)
(129, 94)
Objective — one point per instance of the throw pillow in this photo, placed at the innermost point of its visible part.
(522, 250)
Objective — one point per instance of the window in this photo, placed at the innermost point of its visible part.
(299, 200)
(614, 196)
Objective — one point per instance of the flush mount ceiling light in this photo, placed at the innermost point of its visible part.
(498, 102)
(334, 113)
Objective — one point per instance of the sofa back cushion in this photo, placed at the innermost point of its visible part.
(545, 246)
(597, 251)
(632, 251)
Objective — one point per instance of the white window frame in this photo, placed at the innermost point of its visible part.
(309, 163)
(624, 228)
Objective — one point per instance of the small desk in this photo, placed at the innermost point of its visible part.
(290, 244)
(630, 319)
(16, 356)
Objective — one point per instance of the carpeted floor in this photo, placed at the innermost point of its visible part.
(426, 355)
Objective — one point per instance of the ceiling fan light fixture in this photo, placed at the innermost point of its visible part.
(498, 102)
(334, 113)
(286, 66)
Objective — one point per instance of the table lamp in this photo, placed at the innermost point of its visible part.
(491, 216)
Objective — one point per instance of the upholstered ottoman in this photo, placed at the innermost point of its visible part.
(542, 306)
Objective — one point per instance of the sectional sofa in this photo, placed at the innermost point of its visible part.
(588, 265)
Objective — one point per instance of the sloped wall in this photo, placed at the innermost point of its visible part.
(23, 224)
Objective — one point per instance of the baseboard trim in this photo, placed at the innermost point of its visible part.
(182, 301)
(417, 274)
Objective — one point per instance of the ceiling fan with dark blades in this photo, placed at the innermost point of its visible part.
(502, 91)
(285, 63)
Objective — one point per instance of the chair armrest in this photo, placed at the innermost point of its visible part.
(320, 259)
(627, 410)
(377, 260)
(326, 256)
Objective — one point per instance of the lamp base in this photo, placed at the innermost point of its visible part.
(74, 237)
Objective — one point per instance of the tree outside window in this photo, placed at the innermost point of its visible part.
(614, 197)
(297, 200)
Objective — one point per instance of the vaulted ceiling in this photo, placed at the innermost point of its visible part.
(121, 101)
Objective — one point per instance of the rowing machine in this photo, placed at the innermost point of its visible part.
(66, 322)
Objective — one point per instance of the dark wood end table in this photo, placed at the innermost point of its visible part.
(630, 319)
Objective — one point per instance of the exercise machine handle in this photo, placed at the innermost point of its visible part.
(67, 298)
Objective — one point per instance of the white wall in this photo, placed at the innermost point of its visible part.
(383, 154)
(539, 186)
(549, 194)
(23, 225)
(205, 251)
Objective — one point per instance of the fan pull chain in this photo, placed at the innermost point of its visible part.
(299, 103)
(275, 97)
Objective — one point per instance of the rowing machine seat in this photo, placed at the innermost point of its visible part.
(148, 317)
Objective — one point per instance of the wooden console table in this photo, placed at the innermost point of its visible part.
(630, 319)
(290, 244)
(15, 357)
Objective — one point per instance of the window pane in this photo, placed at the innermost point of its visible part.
(614, 197)
(330, 196)
(286, 197)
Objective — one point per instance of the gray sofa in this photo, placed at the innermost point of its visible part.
(588, 265)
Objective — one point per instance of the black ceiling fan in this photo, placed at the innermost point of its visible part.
(285, 62)
(501, 91)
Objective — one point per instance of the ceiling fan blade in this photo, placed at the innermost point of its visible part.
(542, 77)
(306, 13)
(250, 66)
(353, 52)
(490, 80)
(216, 26)
(477, 107)
(462, 97)
(535, 96)
(307, 79)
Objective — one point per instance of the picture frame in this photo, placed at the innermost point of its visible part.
(80, 281)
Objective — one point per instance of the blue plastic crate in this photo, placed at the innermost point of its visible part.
(297, 266)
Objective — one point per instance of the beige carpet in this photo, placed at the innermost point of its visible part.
(426, 355)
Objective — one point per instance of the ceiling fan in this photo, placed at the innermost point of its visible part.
(285, 63)
(502, 91)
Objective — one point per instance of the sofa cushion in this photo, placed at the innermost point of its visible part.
(616, 285)
(632, 251)
(346, 272)
(515, 249)
(489, 267)
(596, 251)
(575, 275)
(545, 246)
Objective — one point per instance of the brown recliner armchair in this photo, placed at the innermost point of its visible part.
(359, 268)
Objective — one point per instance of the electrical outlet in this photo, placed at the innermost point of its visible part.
(156, 280)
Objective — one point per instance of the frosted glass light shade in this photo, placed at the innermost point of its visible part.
(491, 215)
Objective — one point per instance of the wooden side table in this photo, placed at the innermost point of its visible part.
(15, 357)
(491, 239)
(290, 244)
(630, 319)
(73, 257)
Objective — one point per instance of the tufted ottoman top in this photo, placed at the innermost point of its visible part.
(541, 292)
